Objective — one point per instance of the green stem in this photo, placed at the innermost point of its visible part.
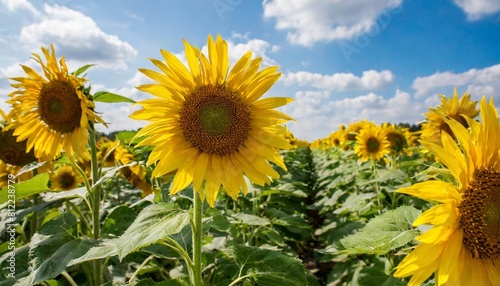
(241, 278)
(196, 229)
(139, 268)
(96, 200)
(34, 218)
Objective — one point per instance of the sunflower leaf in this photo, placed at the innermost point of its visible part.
(35, 185)
(104, 96)
(154, 223)
(383, 233)
(268, 267)
(82, 69)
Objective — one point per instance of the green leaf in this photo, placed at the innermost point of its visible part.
(383, 233)
(81, 70)
(99, 250)
(118, 221)
(104, 96)
(268, 267)
(153, 224)
(248, 219)
(35, 185)
(125, 136)
(51, 255)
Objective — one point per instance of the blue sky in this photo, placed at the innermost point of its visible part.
(342, 61)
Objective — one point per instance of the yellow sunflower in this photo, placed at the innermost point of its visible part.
(11, 151)
(52, 111)
(337, 138)
(463, 246)
(65, 179)
(451, 108)
(210, 123)
(396, 137)
(371, 143)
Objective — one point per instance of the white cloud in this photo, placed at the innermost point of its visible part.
(477, 9)
(318, 115)
(78, 37)
(309, 21)
(14, 5)
(477, 81)
(370, 80)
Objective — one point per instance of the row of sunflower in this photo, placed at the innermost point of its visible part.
(211, 135)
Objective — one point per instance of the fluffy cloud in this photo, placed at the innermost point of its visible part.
(309, 21)
(318, 115)
(477, 81)
(13, 5)
(370, 80)
(477, 9)
(78, 37)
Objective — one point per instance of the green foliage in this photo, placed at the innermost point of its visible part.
(383, 233)
(35, 185)
(154, 223)
(329, 220)
(109, 97)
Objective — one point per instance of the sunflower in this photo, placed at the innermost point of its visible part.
(355, 128)
(371, 143)
(65, 179)
(396, 137)
(337, 138)
(11, 151)
(452, 108)
(463, 246)
(209, 123)
(52, 111)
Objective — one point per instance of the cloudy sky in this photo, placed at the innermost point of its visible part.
(342, 61)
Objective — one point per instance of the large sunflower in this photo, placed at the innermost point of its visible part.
(52, 111)
(371, 143)
(450, 108)
(463, 247)
(210, 123)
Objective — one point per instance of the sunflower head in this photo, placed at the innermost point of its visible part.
(337, 138)
(396, 137)
(371, 143)
(450, 108)
(65, 179)
(52, 107)
(465, 236)
(209, 123)
(11, 151)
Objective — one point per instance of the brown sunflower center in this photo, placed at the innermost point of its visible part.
(372, 145)
(215, 120)
(13, 152)
(66, 180)
(480, 215)
(59, 106)
(397, 140)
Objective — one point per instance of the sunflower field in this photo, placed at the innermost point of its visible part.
(215, 190)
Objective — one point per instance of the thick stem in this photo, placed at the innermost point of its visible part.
(96, 201)
(197, 229)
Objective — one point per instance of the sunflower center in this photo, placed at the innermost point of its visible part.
(372, 145)
(13, 152)
(215, 120)
(59, 106)
(397, 140)
(66, 180)
(480, 215)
